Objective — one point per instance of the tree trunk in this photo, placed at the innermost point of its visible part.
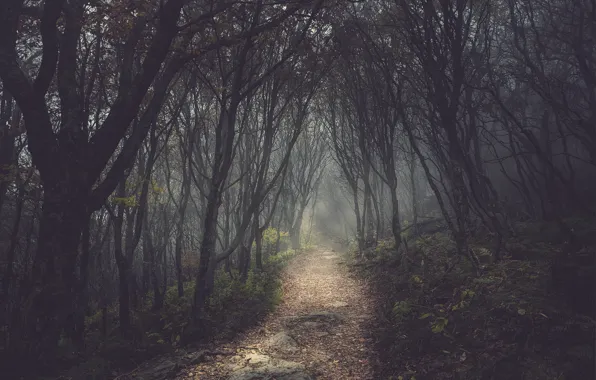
(14, 237)
(178, 258)
(205, 275)
(123, 271)
(278, 238)
(296, 229)
(7, 156)
(368, 216)
(414, 190)
(359, 224)
(124, 298)
(395, 224)
(245, 253)
(54, 280)
(259, 248)
(78, 325)
(180, 237)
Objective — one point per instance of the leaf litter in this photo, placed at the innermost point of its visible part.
(331, 313)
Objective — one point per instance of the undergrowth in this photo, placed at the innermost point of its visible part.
(233, 306)
(444, 322)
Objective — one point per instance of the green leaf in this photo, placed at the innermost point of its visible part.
(416, 279)
(439, 325)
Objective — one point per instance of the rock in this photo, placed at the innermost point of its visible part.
(283, 342)
(195, 357)
(257, 359)
(312, 325)
(263, 367)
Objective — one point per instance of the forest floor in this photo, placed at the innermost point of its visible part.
(367, 317)
(320, 329)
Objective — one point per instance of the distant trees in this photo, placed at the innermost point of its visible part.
(131, 119)
(478, 96)
(147, 144)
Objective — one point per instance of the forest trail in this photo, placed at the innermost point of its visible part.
(318, 331)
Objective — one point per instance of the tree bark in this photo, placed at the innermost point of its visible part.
(54, 282)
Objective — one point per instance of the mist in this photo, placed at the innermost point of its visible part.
(161, 164)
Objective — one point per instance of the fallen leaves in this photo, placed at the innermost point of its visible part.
(312, 284)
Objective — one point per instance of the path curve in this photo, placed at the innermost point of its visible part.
(319, 330)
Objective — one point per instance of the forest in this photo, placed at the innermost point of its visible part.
(163, 161)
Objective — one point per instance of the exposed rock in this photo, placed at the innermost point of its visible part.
(312, 325)
(263, 367)
(283, 342)
(338, 304)
(257, 360)
(168, 367)
(194, 357)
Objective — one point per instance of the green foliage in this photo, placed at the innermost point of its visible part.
(94, 321)
(174, 314)
(280, 259)
(385, 245)
(126, 201)
(417, 279)
(405, 234)
(269, 240)
(439, 324)
(462, 323)
(134, 188)
(263, 287)
(165, 327)
(401, 310)
(465, 298)
(157, 190)
(270, 236)
(435, 243)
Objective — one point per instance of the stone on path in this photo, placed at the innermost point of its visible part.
(282, 342)
(169, 366)
(263, 367)
(312, 325)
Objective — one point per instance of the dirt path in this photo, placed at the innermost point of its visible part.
(319, 330)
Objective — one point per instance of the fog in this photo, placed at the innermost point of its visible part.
(157, 158)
